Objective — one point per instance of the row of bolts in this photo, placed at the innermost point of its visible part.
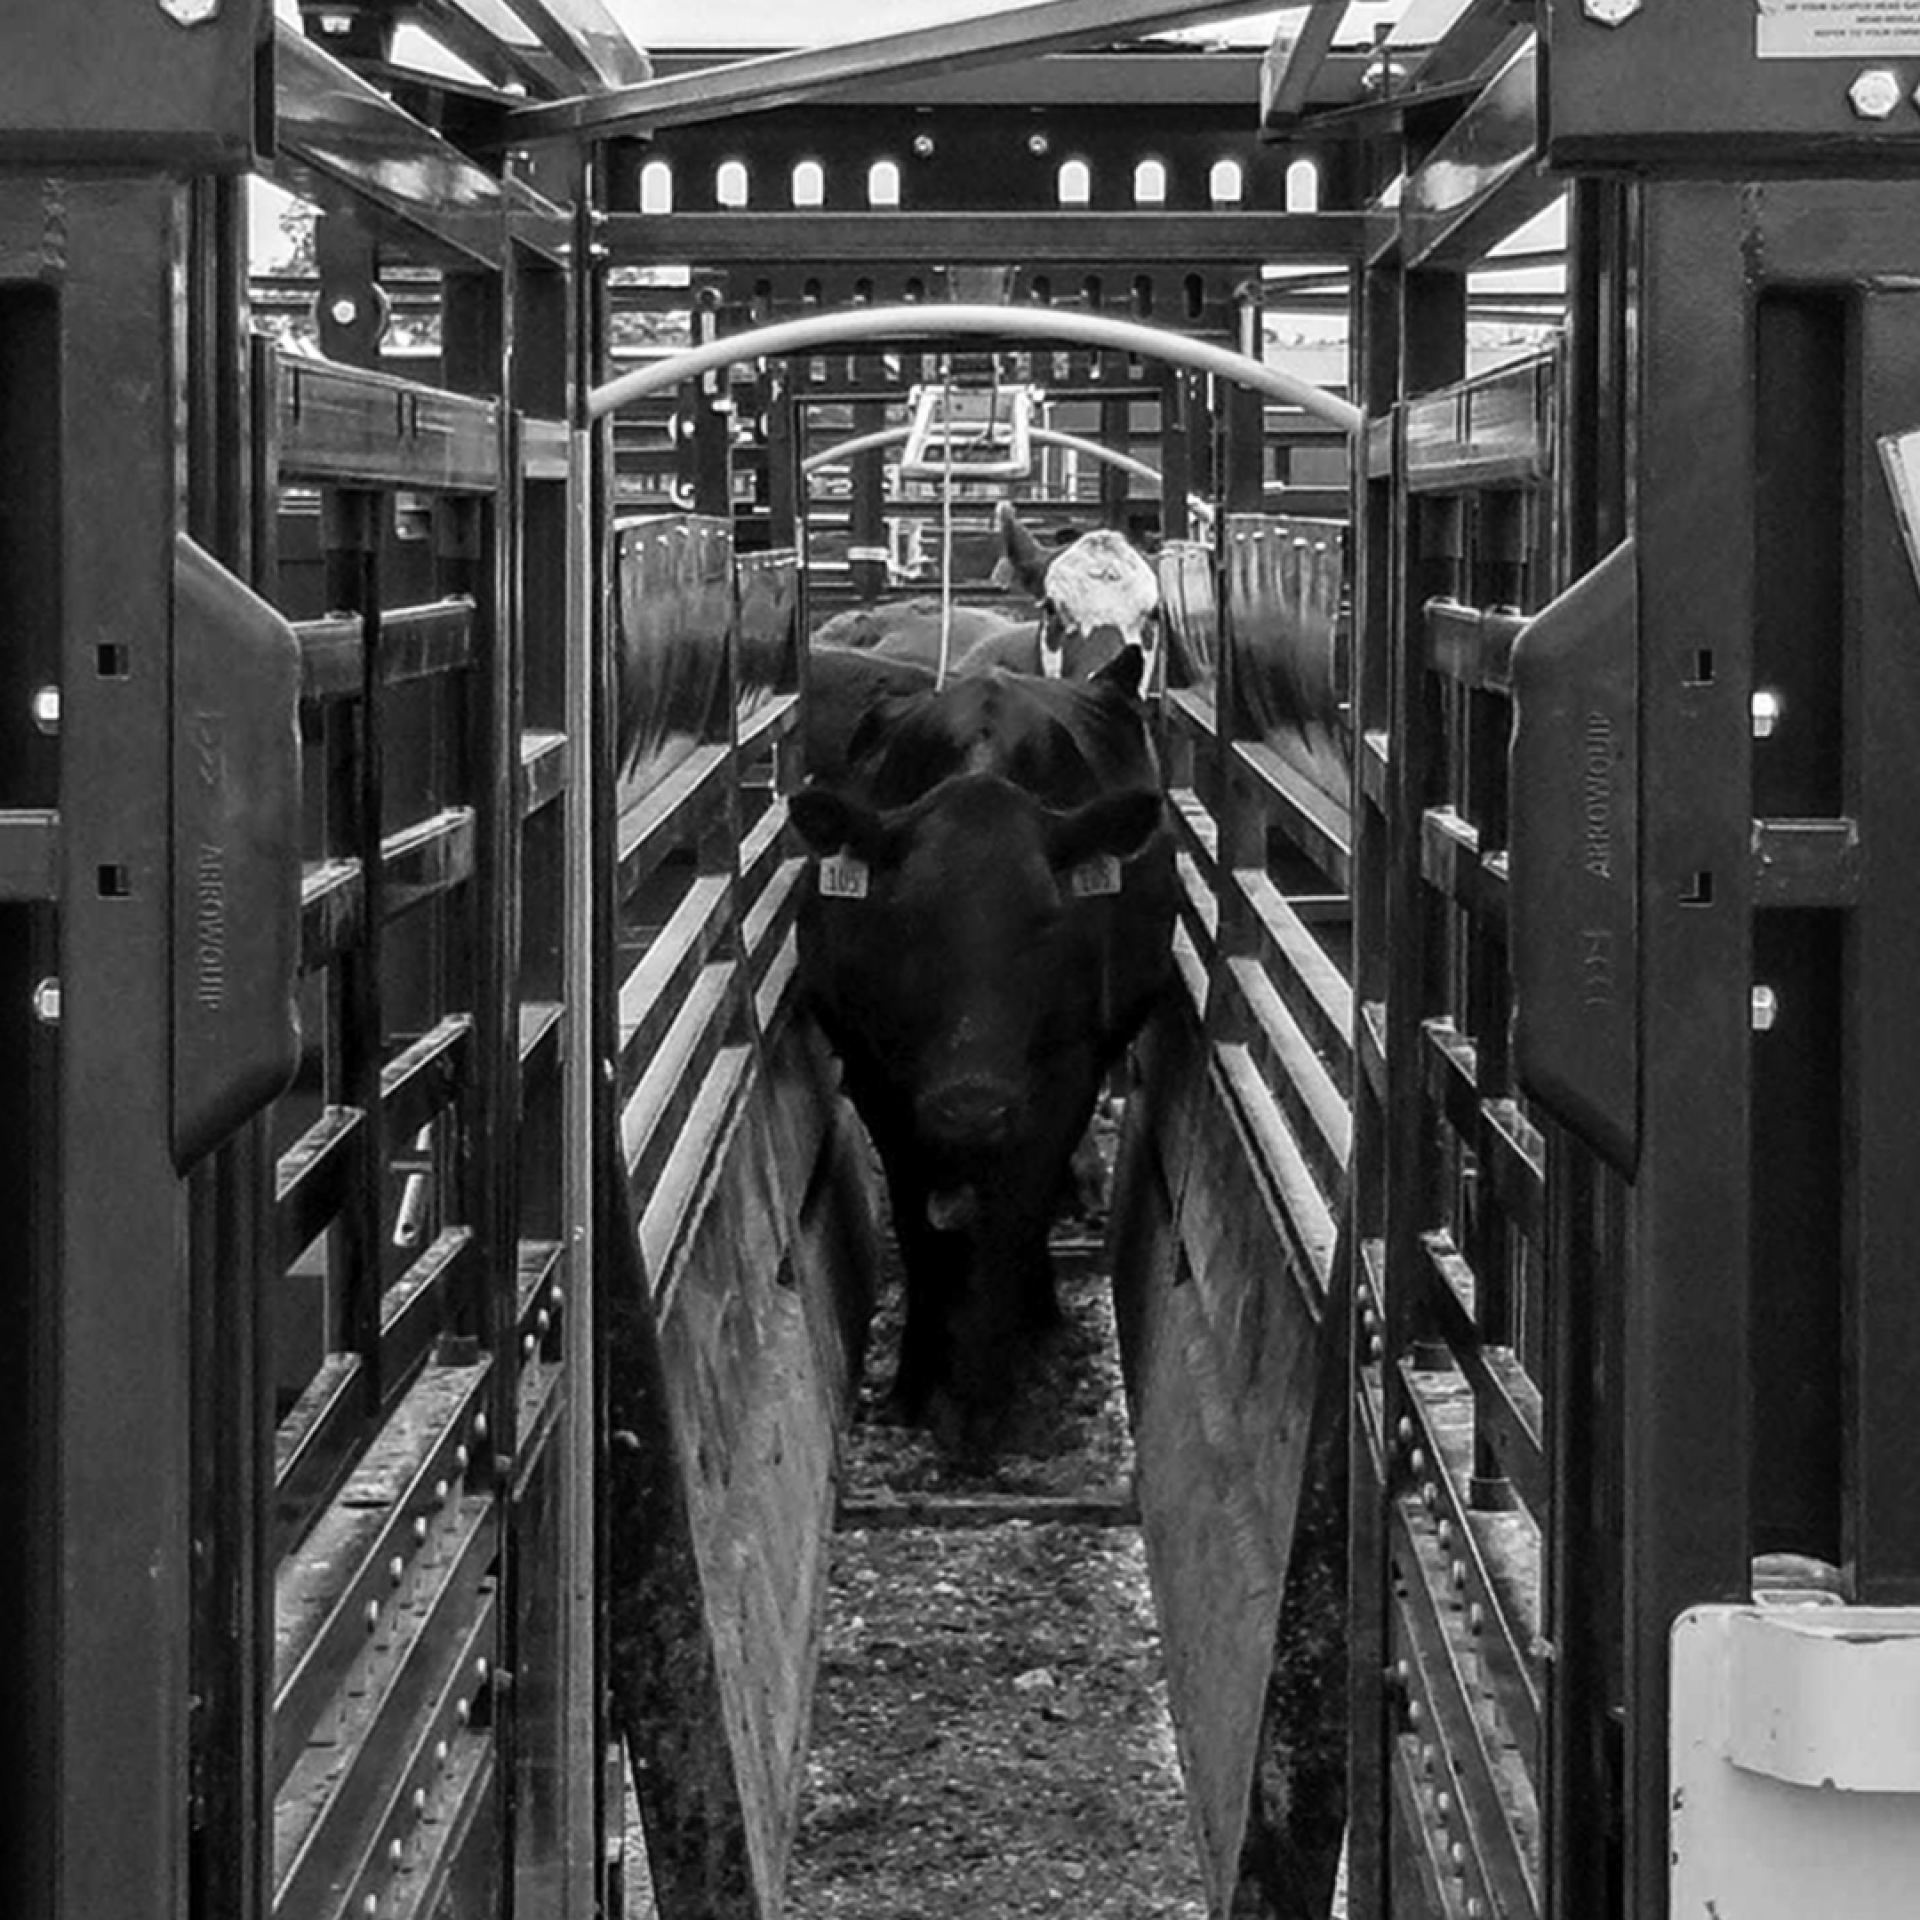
(46, 717)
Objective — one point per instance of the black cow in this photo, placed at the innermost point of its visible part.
(989, 923)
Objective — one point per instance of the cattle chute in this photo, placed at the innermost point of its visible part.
(855, 325)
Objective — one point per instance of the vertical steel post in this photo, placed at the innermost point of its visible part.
(1376, 383)
(587, 1095)
(123, 1472)
(1882, 1524)
(229, 1197)
(1684, 1398)
(1585, 1247)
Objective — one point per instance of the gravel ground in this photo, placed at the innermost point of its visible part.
(991, 1735)
(990, 1730)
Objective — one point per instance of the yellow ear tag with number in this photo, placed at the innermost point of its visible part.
(842, 877)
(1099, 875)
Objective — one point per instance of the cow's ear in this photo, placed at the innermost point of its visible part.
(1025, 560)
(1117, 824)
(1124, 671)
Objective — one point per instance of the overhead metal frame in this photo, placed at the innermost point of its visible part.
(791, 79)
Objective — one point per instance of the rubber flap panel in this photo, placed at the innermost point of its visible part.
(236, 852)
(1574, 875)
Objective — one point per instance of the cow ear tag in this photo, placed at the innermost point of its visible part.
(842, 877)
(1098, 875)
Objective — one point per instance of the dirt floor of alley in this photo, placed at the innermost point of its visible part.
(990, 1725)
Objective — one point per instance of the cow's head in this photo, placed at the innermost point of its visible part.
(963, 960)
(1096, 597)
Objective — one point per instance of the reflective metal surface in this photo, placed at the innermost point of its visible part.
(1480, 183)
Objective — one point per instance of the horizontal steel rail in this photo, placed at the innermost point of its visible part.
(1070, 237)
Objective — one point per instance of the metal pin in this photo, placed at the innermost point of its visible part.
(46, 1003)
(1766, 1009)
(46, 709)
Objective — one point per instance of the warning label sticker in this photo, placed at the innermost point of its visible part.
(1836, 29)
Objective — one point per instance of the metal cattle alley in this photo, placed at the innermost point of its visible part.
(441, 1257)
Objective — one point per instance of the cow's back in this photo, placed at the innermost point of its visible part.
(845, 685)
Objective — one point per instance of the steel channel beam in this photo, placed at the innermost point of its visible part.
(1160, 77)
(1480, 182)
(587, 40)
(791, 79)
(500, 63)
(341, 136)
(843, 239)
(1293, 62)
(1481, 31)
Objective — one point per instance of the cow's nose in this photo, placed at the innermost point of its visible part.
(969, 1113)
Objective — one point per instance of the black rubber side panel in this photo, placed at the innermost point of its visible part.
(1575, 857)
(236, 852)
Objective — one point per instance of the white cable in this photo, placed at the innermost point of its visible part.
(946, 540)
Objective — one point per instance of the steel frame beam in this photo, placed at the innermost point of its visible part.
(1294, 60)
(340, 138)
(585, 39)
(1158, 77)
(843, 239)
(790, 79)
(1480, 182)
